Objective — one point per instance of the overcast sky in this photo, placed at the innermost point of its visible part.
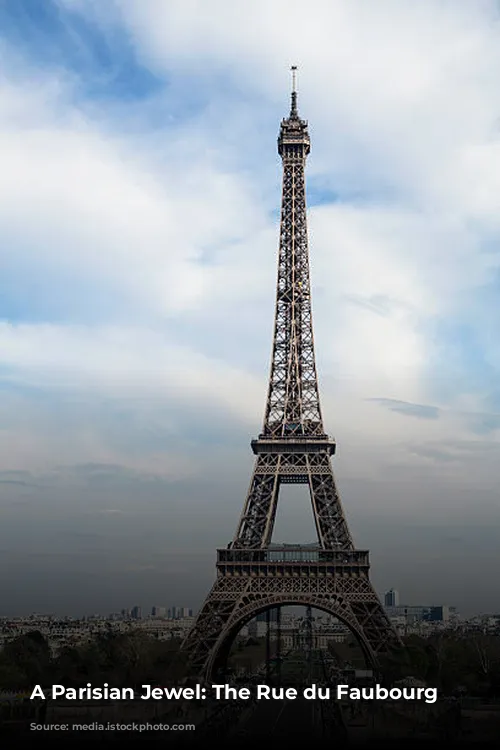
(139, 197)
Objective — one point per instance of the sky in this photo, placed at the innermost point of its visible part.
(139, 212)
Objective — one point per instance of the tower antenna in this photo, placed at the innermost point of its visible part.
(293, 108)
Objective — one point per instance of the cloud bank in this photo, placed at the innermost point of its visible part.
(139, 193)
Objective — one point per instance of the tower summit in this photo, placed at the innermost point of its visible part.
(293, 126)
(292, 448)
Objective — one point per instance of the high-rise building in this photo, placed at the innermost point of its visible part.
(136, 613)
(391, 598)
(158, 611)
(177, 613)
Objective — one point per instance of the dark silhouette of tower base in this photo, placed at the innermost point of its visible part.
(252, 575)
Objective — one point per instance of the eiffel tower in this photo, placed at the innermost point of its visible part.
(252, 574)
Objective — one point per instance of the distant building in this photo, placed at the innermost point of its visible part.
(273, 616)
(437, 614)
(391, 598)
(179, 613)
(136, 613)
(158, 612)
(419, 613)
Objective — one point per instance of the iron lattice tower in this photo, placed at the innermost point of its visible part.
(252, 574)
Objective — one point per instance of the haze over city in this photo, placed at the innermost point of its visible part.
(139, 210)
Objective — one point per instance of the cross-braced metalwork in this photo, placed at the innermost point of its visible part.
(292, 448)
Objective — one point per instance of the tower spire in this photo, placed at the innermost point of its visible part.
(294, 114)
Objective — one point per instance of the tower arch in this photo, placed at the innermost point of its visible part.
(336, 608)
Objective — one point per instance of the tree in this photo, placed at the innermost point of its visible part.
(25, 661)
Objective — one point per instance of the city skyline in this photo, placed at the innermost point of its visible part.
(390, 600)
(138, 220)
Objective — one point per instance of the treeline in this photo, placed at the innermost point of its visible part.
(467, 664)
(121, 659)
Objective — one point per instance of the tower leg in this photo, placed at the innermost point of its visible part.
(257, 520)
(268, 646)
(331, 524)
(278, 645)
(309, 643)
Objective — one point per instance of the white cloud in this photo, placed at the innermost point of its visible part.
(150, 226)
(94, 207)
(403, 101)
(120, 362)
